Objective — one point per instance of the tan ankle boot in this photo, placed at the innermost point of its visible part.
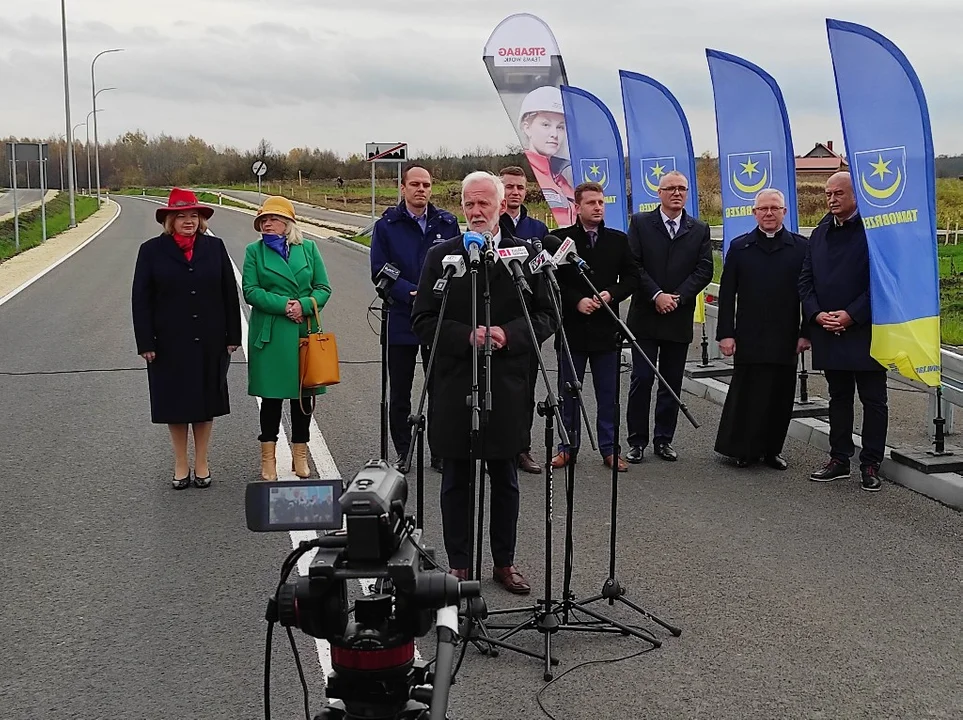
(299, 460)
(269, 466)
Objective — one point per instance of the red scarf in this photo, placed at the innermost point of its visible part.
(186, 244)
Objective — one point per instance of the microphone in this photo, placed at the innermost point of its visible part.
(566, 254)
(454, 266)
(550, 244)
(473, 245)
(542, 263)
(384, 279)
(489, 251)
(512, 257)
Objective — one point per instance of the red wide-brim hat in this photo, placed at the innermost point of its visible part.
(180, 201)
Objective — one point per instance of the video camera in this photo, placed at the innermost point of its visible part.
(373, 655)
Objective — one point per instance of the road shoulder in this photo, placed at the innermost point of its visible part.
(22, 269)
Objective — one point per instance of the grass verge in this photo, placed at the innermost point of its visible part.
(31, 230)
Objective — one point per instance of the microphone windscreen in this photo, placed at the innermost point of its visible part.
(551, 243)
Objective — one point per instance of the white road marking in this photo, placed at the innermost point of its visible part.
(17, 290)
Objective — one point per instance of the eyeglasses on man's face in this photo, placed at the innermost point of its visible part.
(766, 210)
(674, 189)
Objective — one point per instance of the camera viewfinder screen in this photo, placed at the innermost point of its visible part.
(307, 506)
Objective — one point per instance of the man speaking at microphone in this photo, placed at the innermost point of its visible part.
(401, 238)
(505, 432)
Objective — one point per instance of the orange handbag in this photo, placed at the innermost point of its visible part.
(317, 358)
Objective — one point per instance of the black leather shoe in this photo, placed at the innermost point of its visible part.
(527, 463)
(635, 455)
(202, 482)
(743, 462)
(871, 481)
(666, 452)
(399, 464)
(436, 463)
(833, 470)
(776, 462)
(182, 483)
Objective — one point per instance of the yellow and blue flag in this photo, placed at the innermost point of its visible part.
(755, 144)
(886, 128)
(659, 141)
(596, 148)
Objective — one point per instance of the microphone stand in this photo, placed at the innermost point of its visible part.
(474, 629)
(544, 618)
(612, 590)
(385, 304)
(417, 420)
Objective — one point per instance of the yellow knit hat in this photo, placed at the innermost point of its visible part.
(274, 205)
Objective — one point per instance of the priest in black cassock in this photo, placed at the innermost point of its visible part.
(760, 322)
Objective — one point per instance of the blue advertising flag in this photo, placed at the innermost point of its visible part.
(886, 128)
(755, 145)
(596, 148)
(659, 141)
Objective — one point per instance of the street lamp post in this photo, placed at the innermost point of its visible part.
(72, 156)
(90, 185)
(93, 92)
(70, 170)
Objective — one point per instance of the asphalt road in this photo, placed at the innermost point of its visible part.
(126, 599)
(311, 211)
(23, 197)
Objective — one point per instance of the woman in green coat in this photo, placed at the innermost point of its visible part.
(282, 273)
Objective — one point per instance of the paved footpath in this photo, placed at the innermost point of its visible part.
(125, 599)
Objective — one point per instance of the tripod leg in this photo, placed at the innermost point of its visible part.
(481, 518)
(676, 632)
(640, 634)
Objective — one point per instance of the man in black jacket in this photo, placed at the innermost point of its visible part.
(759, 322)
(506, 429)
(590, 330)
(674, 252)
(834, 287)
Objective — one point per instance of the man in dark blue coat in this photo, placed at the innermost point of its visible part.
(834, 288)
(515, 222)
(402, 238)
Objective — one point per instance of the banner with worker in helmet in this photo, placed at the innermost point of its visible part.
(526, 67)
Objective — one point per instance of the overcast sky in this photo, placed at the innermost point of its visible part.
(338, 73)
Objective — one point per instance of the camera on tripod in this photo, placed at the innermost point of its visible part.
(375, 674)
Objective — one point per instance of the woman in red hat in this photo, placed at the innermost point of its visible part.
(187, 322)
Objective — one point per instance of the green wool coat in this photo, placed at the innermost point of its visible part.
(268, 282)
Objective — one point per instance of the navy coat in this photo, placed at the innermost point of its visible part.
(679, 266)
(835, 276)
(528, 228)
(508, 430)
(188, 313)
(397, 239)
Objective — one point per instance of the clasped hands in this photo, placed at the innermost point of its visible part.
(293, 311)
(499, 338)
(666, 303)
(588, 305)
(835, 322)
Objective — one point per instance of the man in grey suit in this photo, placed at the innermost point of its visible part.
(674, 253)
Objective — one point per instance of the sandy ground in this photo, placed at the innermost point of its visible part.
(20, 268)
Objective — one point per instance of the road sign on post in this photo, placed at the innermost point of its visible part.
(385, 153)
(259, 168)
(27, 153)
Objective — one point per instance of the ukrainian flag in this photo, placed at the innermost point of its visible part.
(886, 127)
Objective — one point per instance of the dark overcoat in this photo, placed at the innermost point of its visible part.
(759, 303)
(612, 267)
(188, 313)
(507, 431)
(679, 266)
(835, 276)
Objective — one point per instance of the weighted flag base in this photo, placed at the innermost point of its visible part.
(929, 461)
(812, 407)
(694, 370)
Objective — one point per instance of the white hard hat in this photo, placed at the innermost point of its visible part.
(547, 98)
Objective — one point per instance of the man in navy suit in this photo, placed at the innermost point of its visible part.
(674, 252)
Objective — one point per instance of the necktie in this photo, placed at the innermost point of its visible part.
(671, 224)
(592, 236)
